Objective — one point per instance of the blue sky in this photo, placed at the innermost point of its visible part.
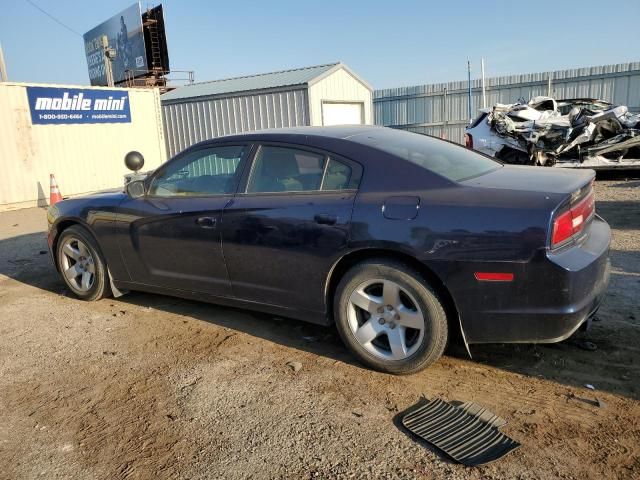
(390, 43)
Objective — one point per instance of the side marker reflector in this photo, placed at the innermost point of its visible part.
(493, 277)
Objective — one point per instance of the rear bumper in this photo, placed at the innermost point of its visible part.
(550, 298)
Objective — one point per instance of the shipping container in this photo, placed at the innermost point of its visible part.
(79, 134)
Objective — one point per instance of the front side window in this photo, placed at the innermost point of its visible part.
(209, 171)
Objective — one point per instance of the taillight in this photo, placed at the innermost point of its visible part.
(572, 222)
(562, 228)
(468, 141)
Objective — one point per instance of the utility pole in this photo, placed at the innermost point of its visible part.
(445, 114)
(469, 81)
(109, 55)
(484, 92)
(3, 68)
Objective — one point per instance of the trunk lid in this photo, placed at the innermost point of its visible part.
(533, 179)
(567, 197)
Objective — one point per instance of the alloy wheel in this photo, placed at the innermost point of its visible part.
(77, 264)
(385, 319)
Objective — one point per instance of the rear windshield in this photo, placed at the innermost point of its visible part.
(477, 121)
(449, 160)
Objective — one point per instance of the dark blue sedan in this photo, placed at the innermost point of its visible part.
(399, 239)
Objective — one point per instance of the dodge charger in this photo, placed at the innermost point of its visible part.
(400, 240)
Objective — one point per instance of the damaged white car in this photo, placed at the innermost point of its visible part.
(580, 132)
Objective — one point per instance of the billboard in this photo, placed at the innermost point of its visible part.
(155, 39)
(125, 35)
(78, 105)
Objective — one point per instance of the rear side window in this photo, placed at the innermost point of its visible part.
(282, 169)
(287, 169)
(477, 121)
(339, 176)
(448, 160)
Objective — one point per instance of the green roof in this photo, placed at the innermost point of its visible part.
(284, 78)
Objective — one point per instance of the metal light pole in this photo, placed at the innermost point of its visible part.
(3, 68)
(484, 92)
(445, 114)
(469, 81)
(109, 55)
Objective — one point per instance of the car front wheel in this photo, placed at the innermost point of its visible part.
(389, 317)
(81, 264)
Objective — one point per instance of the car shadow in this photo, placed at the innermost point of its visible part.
(620, 215)
(25, 258)
(611, 367)
(627, 184)
(613, 174)
(300, 335)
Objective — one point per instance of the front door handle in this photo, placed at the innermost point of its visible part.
(206, 222)
(325, 219)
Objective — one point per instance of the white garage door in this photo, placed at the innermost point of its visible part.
(342, 113)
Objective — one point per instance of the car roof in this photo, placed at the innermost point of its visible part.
(340, 137)
(359, 143)
(338, 131)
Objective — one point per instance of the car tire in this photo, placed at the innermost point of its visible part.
(367, 309)
(77, 252)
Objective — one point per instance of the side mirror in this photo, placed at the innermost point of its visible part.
(134, 160)
(135, 189)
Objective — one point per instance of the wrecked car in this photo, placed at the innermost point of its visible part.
(580, 132)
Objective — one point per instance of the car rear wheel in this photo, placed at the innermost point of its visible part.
(81, 264)
(389, 317)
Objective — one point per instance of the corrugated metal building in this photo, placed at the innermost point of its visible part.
(321, 95)
(85, 157)
(442, 109)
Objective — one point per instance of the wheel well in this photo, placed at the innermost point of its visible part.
(512, 155)
(349, 260)
(61, 227)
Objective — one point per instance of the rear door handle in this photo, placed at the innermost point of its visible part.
(325, 219)
(206, 222)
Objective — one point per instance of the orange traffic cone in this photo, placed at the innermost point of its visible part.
(54, 196)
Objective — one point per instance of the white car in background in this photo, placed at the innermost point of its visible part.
(582, 132)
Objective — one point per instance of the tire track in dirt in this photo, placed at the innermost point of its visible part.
(122, 419)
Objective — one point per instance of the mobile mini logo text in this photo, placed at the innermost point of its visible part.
(51, 105)
(79, 102)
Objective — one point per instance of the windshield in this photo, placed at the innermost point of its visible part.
(447, 159)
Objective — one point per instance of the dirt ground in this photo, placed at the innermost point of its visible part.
(148, 386)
